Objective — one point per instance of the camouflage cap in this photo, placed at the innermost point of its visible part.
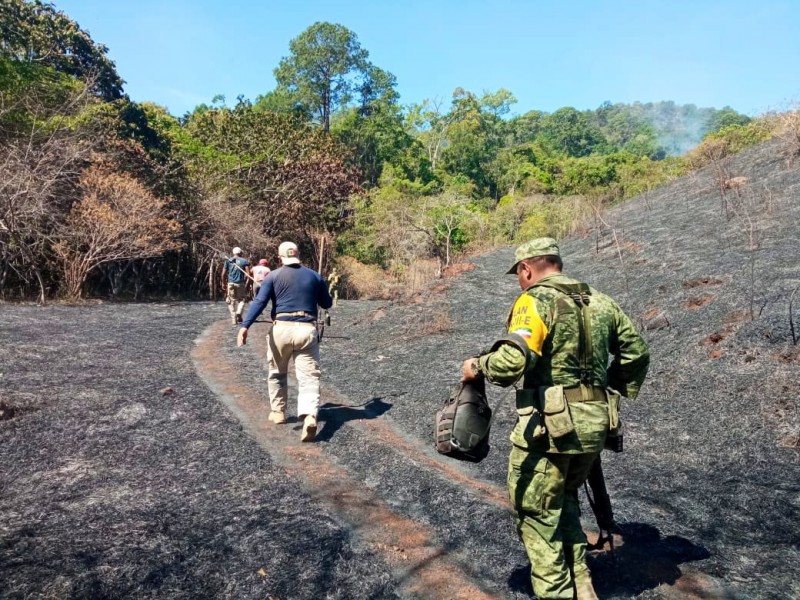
(539, 247)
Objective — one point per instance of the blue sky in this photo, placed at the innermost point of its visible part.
(742, 53)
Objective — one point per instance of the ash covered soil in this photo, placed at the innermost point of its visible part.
(709, 484)
(111, 488)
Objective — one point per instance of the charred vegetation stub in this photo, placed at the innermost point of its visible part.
(702, 282)
(7, 411)
(696, 302)
(714, 338)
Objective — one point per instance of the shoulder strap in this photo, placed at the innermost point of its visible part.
(235, 262)
(580, 294)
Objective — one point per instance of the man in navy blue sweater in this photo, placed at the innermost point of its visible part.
(295, 292)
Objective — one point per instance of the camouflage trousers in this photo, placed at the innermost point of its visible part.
(543, 488)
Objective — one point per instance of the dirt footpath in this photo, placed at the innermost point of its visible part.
(123, 475)
(126, 474)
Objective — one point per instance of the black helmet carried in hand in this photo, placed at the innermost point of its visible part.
(463, 424)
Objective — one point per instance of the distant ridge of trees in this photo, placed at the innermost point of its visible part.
(103, 196)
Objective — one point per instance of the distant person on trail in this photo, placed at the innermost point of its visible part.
(333, 285)
(260, 271)
(235, 274)
(295, 292)
(567, 406)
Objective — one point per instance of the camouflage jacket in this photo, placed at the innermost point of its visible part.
(548, 321)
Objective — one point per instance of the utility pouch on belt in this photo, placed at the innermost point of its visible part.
(614, 399)
(614, 439)
(555, 408)
(530, 418)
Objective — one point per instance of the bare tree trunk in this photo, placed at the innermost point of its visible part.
(137, 282)
(321, 251)
(40, 279)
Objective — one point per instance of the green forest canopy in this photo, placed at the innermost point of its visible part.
(329, 158)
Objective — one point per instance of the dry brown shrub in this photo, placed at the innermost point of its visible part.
(456, 269)
(419, 274)
(370, 282)
(117, 218)
(789, 131)
(366, 282)
(436, 321)
(708, 151)
(735, 183)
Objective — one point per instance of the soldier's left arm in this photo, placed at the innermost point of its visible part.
(503, 366)
(631, 357)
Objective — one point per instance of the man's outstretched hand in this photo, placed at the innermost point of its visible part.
(241, 337)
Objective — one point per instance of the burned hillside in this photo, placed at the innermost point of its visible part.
(139, 464)
(712, 459)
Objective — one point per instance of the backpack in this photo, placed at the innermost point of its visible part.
(462, 426)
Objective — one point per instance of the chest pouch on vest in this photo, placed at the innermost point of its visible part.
(463, 423)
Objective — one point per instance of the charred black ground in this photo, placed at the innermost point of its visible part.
(112, 486)
(710, 480)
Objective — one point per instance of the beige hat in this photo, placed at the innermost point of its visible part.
(289, 253)
(539, 247)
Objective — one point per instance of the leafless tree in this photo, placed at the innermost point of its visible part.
(116, 219)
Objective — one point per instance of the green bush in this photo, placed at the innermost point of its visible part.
(730, 140)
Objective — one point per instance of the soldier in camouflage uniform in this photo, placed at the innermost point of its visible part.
(564, 408)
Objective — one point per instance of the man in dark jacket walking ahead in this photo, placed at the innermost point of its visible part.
(295, 292)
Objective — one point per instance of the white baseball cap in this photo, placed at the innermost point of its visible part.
(288, 253)
(237, 250)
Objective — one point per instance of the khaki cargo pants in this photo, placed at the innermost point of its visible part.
(288, 340)
(236, 298)
(543, 488)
